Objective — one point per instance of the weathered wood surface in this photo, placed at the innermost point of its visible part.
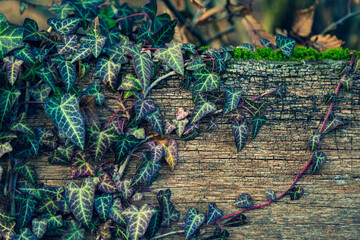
(210, 168)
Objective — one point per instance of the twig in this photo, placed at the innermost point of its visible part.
(157, 81)
(340, 21)
(168, 234)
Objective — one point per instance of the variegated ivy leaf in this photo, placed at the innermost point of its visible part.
(164, 34)
(212, 126)
(155, 223)
(5, 148)
(181, 113)
(156, 121)
(63, 26)
(124, 186)
(172, 56)
(244, 200)
(142, 64)
(7, 136)
(81, 166)
(213, 213)
(62, 155)
(346, 82)
(144, 107)
(75, 232)
(21, 126)
(103, 204)
(107, 71)
(169, 127)
(123, 146)
(218, 59)
(271, 195)
(106, 184)
(67, 73)
(241, 131)
(267, 44)
(318, 160)
(314, 140)
(236, 221)
(137, 197)
(332, 124)
(195, 64)
(130, 82)
(116, 52)
(225, 53)
(12, 67)
(46, 137)
(61, 11)
(146, 170)
(41, 93)
(257, 123)
(25, 234)
(286, 44)
(7, 99)
(82, 53)
(248, 47)
(31, 30)
(40, 54)
(100, 140)
(193, 221)
(92, 89)
(53, 221)
(39, 227)
(233, 97)
(180, 126)
(201, 109)
(190, 128)
(48, 75)
(151, 9)
(138, 220)
(139, 133)
(115, 212)
(27, 209)
(7, 222)
(189, 47)
(253, 106)
(171, 154)
(47, 205)
(27, 171)
(170, 214)
(67, 117)
(157, 152)
(69, 46)
(96, 44)
(11, 37)
(81, 200)
(296, 193)
(204, 81)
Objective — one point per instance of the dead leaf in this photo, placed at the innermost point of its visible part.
(255, 30)
(163, 140)
(180, 5)
(304, 20)
(199, 5)
(324, 42)
(281, 31)
(206, 16)
(88, 109)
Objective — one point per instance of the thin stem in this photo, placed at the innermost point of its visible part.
(32, 102)
(112, 117)
(266, 93)
(106, 162)
(168, 234)
(133, 15)
(248, 110)
(157, 81)
(134, 155)
(340, 21)
(111, 96)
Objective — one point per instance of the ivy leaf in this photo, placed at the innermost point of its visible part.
(139, 133)
(62, 155)
(296, 193)
(144, 107)
(196, 64)
(106, 184)
(219, 235)
(107, 71)
(213, 213)
(233, 97)
(193, 221)
(115, 212)
(332, 124)
(31, 30)
(138, 220)
(25, 234)
(41, 93)
(253, 106)
(156, 153)
(96, 44)
(257, 122)
(81, 200)
(67, 73)
(248, 47)
(171, 154)
(212, 126)
(7, 222)
(286, 44)
(27, 209)
(116, 52)
(67, 117)
(201, 109)
(146, 170)
(7, 99)
(205, 81)
(69, 46)
(12, 67)
(11, 37)
(144, 32)
(271, 195)
(169, 127)
(241, 131)
(151, 9)
(127, 24)
(75, 232)
(80, 165)
(172, 56)
(63, 26)
(123, 146)
(130, 82)
(180, 126)
(48, 206)
(156, 121)
(61, 11)
(102, 205)
(40, 54)
(48, 75)
(244, 200)
(189, 47)
(142, 64)
(100, 140)
(267, 44)
(346, 82)
(318, 160)
(314, 140)
(39, 227)
(154, 224)
(82, 53)
(164, 34)
(236, 221)
(5, 148)
(53, 221)
(27, 171)
(124, 186)
(169, 211)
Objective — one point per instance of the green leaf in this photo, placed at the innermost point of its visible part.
(193, 221)
(138, 220)
(144, 32)
(81, 200)
(236, 221)
(96, 44)
(81, 166)
(180, 126)
(116, 210)
(271, 195)
(233, 97)
(5, 148)
(62, 155)
(171, 154)
(205, 81)
(170, 214)
(286, 44)
(189, 47)
(151, 9)
(318, 160)
(267, 44)
(196, 64)
(129, 82)
(201, 109)
(61, 11)
(48, 205)
(100, 140)
(253, 106)
(172, 56)
(63, 26)
(314, 140)
(53, 221)
(75, 232)
(11, 37)
(156, 121)
(139, 133)
(41, 93)
(82, 53)
(164, 34)
(67, 117)
(244, 200)
(123, 146)
(213, 213)
(25, 234)
(69, 46)
(127, 24)
(67, 73)
(332, 124)
(27, 171)
(7, 99)
(146, 170)
(27, 209)
(219, 235)
(257, 122)
(248, 47)
(48, 75)
(160, 20)
(116, 52)
(296, 193)
(103, 204)
(241, 131)
(106, 184)
(154, 224)
(12, 67)
(25, 54)
(107, 71)
(144, 107)
(31, 30)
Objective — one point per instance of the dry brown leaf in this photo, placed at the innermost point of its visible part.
(205, 17)
(281, 31)
(255, 30)
(199, 5)
(180, 5)
(324, 42)
(304, 20)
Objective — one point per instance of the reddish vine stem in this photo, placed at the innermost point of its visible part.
(32, 102)
(248, 110)
(133, 15)
(266, 93)
(112, 117)
(106, 162)
(330, 109)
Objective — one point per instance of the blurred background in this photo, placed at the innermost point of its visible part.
(322, 24)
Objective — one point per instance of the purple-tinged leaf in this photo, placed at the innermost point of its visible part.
(236, 221)
(271, 195)
(144, 107)
(280, 91)
(21, 126)
(67, 73)
(81, 200)
(102, 205)
(233, 97)
(329, 98)
(196, 64)
(30, 189)
(254, 107)
(286, 44)
(123, 146)
(100, 140)
(124, 186)
(27, 209)
(63, 26)
(172, 56)
(115, 212)
(5, 148)
(83, 52)
(25, 234)
(164, 34)
(201, 109)
(180, 126)
(53, 221)
(41, 93)
(62, 155)
(69, 46)
(314, 140)
(244, 200)
(137, 197)
(155, 223)
(332, 124)
(12, 67)
(170, 214)
(190, 128)
(296, 193)
(157, 152)
(267, 44)
(257, 123)
(318, 160)
(169, 127)
(108, 71)
(81, 166)
(106, 184)
(138, 220)
(181, 113)
(212, 126)
(27, 171)
(39, 227)
(96, 44)
(248, 47)
(213, 213)
(204, 81)
(219, 235)
(156, 121)
(130, 82)
(146, 170)
(11, 37)
(171, 154)
(241, 131)
(193, 221)
(346, 82)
